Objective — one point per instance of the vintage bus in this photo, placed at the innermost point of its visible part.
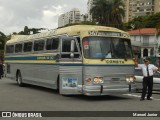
(81, 59)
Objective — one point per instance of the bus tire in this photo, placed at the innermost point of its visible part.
(58, 85)
(19, 79)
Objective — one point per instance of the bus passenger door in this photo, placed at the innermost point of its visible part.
(70, 66)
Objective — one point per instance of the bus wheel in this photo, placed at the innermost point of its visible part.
(19, 79)
(58, 87)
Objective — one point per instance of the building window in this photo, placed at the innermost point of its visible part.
(145, 40)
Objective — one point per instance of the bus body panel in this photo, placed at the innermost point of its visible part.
(114, 79)
(67, 68)
(70, 79)
(34, 71)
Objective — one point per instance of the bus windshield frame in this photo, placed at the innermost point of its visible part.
(97, 47)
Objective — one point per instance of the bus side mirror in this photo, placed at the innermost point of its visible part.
(72, 48)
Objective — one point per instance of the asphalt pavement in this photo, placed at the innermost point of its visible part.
(34, 98)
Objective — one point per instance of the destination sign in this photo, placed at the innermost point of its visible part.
(104, 33)
(108, 33)
(115, 61)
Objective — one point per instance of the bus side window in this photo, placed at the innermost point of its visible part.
(27, 47)
(76, 53)
(79, 42)
(39, 45)
(52, 44)
(10, 49)
(66, 47)
(18, 48)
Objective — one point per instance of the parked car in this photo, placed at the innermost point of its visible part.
(139, 79)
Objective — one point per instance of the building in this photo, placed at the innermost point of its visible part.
(63, 19)
(134, 8)
(145, 42)
(73, 16)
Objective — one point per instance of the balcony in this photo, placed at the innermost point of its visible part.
(143, 44)
(151, 44)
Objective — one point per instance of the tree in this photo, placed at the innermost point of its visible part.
(158, 33)
(108, 12)
(2, 40)
(153, 20)
(36, 30)
(117, 13)
(147, 21)
(26, 30)
(100, 11)
(138, 22)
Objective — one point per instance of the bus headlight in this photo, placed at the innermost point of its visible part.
(130, 79)
(88, 80)
(98, 80)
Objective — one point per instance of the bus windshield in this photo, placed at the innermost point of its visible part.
(103, 48)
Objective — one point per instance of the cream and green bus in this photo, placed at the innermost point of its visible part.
(81, 59)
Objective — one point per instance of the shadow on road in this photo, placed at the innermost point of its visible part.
(82, 97)
(34, 87)
(101, 98)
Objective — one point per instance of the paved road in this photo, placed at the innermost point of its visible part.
(33, 98)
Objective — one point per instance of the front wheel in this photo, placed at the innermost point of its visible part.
(19, 79)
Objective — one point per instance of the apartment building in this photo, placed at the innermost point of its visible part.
(135, 8)
(73, 16)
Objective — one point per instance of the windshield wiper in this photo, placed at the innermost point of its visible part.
(106, 54)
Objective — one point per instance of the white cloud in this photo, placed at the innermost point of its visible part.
(35, 13)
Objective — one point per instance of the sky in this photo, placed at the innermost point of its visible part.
(15, 14)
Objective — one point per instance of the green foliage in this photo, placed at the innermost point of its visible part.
(108, 12)
(148, 21)
(28, 31)
(153, 20)
(35, 30)
(3, 38)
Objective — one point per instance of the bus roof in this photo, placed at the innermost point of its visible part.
(70, 30)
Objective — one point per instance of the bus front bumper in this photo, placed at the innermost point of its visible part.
(100, 90)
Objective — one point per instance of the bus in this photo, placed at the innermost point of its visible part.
(81, 59)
